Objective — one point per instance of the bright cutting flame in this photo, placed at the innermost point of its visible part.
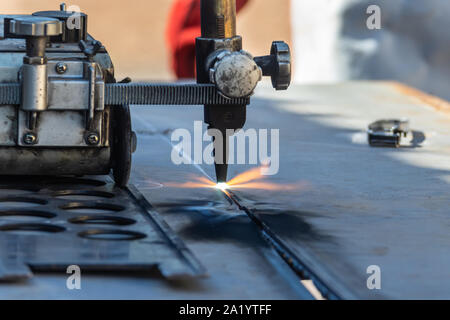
(222, 186)
(250, 179)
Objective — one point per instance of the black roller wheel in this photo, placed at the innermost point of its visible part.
(123, 144)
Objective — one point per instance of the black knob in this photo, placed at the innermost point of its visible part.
(277, 65)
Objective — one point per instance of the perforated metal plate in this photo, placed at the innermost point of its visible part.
(48, 224)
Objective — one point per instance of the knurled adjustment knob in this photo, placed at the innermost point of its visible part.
(36, 31)
(235, 74)
(281, 79)
(74, 24)
(30, 26)
(277, 65)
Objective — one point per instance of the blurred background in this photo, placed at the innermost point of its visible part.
(329, 38)
(134, 31)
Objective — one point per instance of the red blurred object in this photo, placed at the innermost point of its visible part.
(183, 27)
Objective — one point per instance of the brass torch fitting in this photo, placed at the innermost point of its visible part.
(218, 18)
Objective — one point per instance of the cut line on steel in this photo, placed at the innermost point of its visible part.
(296, 263)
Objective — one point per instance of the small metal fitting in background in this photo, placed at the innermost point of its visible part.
(387, 132)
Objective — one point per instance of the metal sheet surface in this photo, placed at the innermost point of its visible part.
(49, 224)
(239, 263)
(363, 206)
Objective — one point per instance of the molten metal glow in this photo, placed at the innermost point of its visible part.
(222, 186)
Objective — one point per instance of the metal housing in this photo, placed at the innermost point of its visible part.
(61, 145)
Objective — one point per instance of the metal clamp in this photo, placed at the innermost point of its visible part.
(387, 133)
(235, 74)
(36, 31)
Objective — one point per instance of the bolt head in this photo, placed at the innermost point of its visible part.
(29, 138)
(92, 139)
(61, 68)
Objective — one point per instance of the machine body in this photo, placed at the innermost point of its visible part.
(61, 125)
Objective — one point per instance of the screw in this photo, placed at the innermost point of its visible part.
(61, 68)
(92, 139)
(29, 138)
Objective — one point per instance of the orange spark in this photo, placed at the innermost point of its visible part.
(269, 186)
(246, 176)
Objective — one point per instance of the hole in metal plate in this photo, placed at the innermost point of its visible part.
(113, 235)
(32, 228)
(74, 181)
(26, 214)
(12, 191)
(20, 188)
(82, 194)
(92, 207)
(98, 219)
(21, 201)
